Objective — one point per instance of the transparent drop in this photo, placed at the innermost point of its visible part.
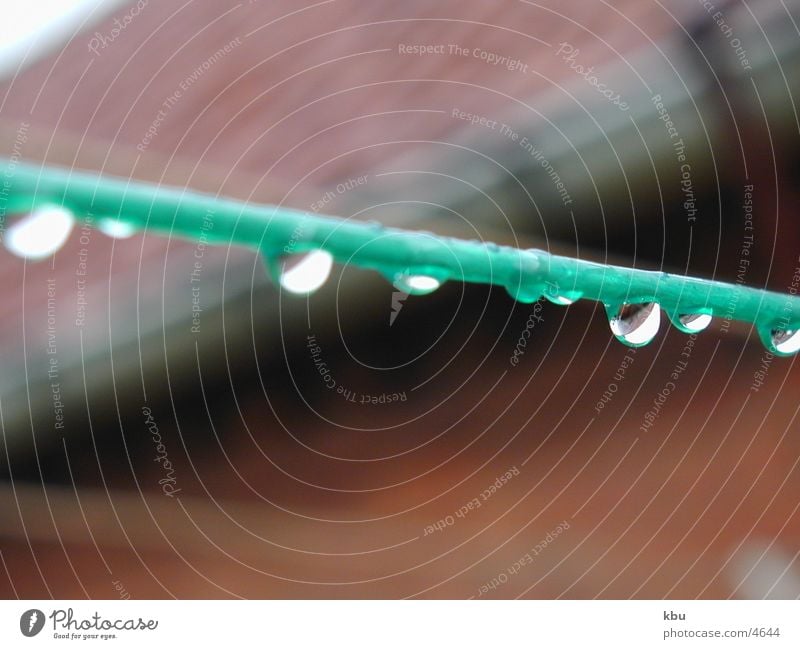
(39, 234)
(524, 294)
(303, 273)
(692, 323)
(785, 341)
(563, 299)
(635, 324)
(116, 229)
(416, 284)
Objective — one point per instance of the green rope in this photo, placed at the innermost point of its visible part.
(417, 262)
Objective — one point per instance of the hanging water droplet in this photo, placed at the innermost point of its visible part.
(39, 234)
(635, 324)
(525, 294)
(692, 323)
(416, 284)
(303, 273)
(785, 341)
(563, 299)
(116, 229)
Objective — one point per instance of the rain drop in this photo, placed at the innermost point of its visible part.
(416, 284)
(40, 233)
(303, 273)
(785, 341)
(563, 299)
(525, 294)
(635, 324)
(692, 323)
(116, 229)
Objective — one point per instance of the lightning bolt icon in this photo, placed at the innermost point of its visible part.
(32, 620)
(398, 297)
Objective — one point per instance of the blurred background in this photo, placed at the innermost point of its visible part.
(361, 442)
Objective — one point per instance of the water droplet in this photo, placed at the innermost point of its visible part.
(116, 229)
(39, 234)
(305, 272)
(525, 294)
(692, 323)
(785, 341)
(416, 284)
(563, 299)
(635, 324)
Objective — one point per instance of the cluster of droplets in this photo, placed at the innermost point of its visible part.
(636, 324)
(633, 323)
(302, 273)
(43, 231)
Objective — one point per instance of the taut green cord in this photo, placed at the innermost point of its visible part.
(416, 261)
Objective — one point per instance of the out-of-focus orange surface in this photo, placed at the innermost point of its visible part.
(289, 489)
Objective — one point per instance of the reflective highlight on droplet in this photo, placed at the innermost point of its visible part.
(563, 299)
(785, 341)
(116, 229)
(694, 322)
(635, 324)
(41, 233)
(304, 273)
(416, 284)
